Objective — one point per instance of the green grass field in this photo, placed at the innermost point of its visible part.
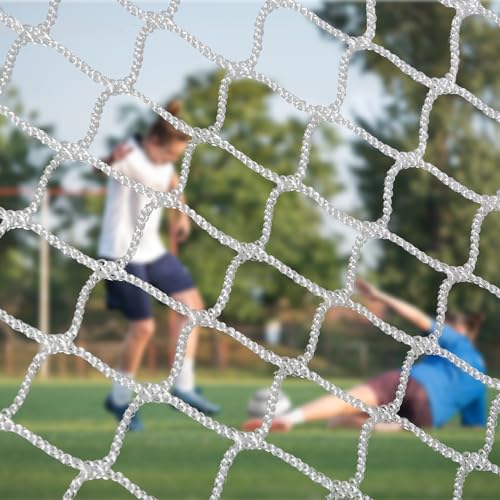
(175, 458)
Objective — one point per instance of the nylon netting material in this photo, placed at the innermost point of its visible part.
(50, 344)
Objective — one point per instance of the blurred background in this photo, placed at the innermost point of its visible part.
(40, 286)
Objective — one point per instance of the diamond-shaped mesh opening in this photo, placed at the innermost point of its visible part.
(182, 448)
(227, 193)
(436, 207)
(268, 133)
(481, 485)
(268, 477)
(104, 489)
(394, 457)
(115, 46)
(391, 121)
(411, 277)
(47, 476)
(285, 61)
(331, 450)
(234, 22)
(260, 290)
(40, 62)
(464, 153)
(75, 413)
(156, 65)
(403, 37)
(477, 73)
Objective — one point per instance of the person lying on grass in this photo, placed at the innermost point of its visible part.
(437, 389)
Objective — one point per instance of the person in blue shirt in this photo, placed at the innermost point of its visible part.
(437, 390)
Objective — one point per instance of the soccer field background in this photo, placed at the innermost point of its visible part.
(175, 458)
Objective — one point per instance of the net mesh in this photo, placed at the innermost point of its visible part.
(51, 344)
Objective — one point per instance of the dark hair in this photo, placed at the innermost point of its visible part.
(162, 132)
(472, 321)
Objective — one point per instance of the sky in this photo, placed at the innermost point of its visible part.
(102, 32)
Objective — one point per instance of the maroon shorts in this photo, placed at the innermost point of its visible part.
(415, 406)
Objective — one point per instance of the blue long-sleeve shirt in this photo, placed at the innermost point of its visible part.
(449, 389)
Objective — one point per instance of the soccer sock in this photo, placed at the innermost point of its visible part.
(121, 395)
(185, 379)
(293, 417)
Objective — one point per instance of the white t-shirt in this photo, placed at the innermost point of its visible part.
(123, 206)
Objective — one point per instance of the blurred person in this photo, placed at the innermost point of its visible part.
(149, 160)
(437, 390)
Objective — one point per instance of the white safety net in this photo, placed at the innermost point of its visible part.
(51, 344)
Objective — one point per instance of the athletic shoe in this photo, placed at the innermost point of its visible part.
(118, 411)
(196, 400)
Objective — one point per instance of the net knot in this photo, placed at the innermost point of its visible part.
(204, 318)
(71, 151)
(96, 469)
(58, 342)
(409, 159)
(422, 345)
(36, 34)
(289, 182)
(110, 269)
(249, 441)
(475, 460)
(491, 203)
(459, 274)
(294, 366)
(118, 87)
(384, 413)
(373, 229)
(151, 392)
(202, 135)
(359, 43)
(443, 85)
(464, 7)
(89, 471)
(338, 297)
(249, 251)
(12, 219)
(159, 20)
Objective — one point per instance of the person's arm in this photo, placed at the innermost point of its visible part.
(409, 312)
(182, 222)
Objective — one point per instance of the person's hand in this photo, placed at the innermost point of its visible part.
(183, 228)
(366, 290)
(120, 151)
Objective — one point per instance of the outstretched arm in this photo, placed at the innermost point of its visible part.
(411, 313)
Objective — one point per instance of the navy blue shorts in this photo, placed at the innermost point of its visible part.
(166, 273)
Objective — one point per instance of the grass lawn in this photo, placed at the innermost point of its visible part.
(176, 458)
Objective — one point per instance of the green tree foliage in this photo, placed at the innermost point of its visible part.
(462, 143)
(21, 162)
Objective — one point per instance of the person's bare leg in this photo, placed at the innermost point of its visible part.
(322, 408)
(355, 421)
(138, 336)
(192, 299)
(388, 427)
(330, 406)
